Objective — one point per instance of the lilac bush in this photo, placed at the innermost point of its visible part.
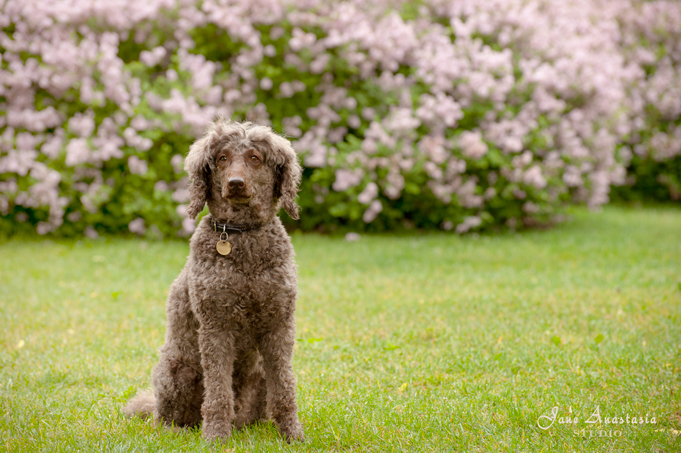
(451, 114)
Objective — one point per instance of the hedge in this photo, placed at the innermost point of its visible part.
(407, 114)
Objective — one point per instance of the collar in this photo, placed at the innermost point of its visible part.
(229, 228)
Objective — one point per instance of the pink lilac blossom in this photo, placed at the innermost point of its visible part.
(472, 145)
(77, 152)
(346, 179)
(91, 232)
(372, 211)
(177, 161)
(369, 193)
(137, 166)
(153, 57)
(188, 226)
(137, 226)
(468, 224)
(4, 205)
(352, 237)
(575, 73)
(82, 124)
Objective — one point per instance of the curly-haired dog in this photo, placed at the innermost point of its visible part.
(230, 332)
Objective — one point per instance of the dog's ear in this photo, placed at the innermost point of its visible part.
(197, 166)
(287, 173)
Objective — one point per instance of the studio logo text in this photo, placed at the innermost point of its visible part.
(596, 418)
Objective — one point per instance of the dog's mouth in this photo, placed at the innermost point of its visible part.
(239, 198)
(238, 195)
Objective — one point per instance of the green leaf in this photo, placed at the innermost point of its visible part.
(556, 340)
(412, 188)
(338, 210)
(599, 338)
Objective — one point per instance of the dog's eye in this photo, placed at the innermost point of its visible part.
(223, 158)
(254, 158)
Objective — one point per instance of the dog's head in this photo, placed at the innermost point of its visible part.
(244, 172)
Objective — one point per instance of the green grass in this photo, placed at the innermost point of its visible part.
(406, 343)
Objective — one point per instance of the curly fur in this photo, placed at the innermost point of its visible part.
(226, 361)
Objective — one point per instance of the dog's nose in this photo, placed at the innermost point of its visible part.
(236, 183)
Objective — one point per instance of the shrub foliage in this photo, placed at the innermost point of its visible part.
(435, 113)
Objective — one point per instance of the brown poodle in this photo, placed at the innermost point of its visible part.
(230, 331)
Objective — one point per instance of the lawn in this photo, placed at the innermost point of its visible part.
(429, 342)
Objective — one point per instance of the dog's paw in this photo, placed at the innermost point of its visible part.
(292, 432)
(297, 437)
(217, 432)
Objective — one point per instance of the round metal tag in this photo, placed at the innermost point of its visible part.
(223, 248)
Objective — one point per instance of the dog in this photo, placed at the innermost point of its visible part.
(226, 360)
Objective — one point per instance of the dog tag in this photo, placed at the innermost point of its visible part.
(223, 247)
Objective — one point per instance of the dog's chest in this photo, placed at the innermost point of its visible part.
(254, 299)
(253, 288)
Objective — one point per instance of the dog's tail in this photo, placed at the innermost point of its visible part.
(142, 405)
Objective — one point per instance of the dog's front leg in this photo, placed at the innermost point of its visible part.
(276, 348)
(217, 359)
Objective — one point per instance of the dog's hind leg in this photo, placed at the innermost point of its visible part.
(179, 392)
(177, 378)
